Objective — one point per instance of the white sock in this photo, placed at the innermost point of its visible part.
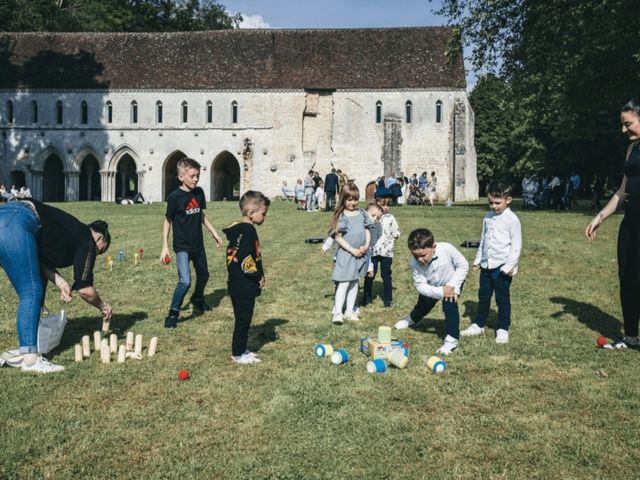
(341, 294)
(29, 359)
(352, 295)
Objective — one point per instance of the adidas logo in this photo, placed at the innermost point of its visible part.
(193, 207)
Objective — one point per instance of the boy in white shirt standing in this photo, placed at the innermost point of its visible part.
(497, 261)
(438, 270)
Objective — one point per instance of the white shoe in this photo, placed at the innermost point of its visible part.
(246, 359)
(406, 322)
(337, 319)
(502, 336)
(42, 366)
(352, 318)
(11, 358)
(449, 346)
(472, 330)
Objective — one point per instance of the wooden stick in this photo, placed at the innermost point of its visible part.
(97, 339)
(129, 342)
(105, 325)
(138, 347)
(113, 342)
(77, 350)
(122, 353)
(86, 347)
(153, 346)
(105, 351)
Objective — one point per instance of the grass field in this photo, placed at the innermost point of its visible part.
(547, 405)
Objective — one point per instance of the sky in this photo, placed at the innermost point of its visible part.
(339, 14)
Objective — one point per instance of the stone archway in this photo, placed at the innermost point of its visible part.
(90, 184)
(370, 191)
(53, 180)
(225, 178)
(169, 173)
(126, 178)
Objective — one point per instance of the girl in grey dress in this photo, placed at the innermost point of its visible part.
(350, 225)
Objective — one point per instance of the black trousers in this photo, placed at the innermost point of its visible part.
(243, 313)
(629, 268)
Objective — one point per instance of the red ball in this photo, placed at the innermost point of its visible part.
(166, 259)
(602, 341)
(183, 375)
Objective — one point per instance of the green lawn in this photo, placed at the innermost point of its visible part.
(547, 405)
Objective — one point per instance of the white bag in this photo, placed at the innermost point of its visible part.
(50, 331)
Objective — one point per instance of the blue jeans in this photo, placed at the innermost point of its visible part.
(19, 226)
(450, 309)
(199, 260)
(494, 280)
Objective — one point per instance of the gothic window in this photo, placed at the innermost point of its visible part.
(134, 112)
(34, 112)
(209, 112)
(439, 111)
(109, 112)
(9, 111)
(407, 109)
(234, 112)
(158, 111)
(59, 112)
(378, 111)
(185, 112)
(84, 112)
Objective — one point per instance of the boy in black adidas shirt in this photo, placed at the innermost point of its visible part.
(246, 276)
(185, 213)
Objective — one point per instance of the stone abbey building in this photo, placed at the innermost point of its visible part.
(102, 116)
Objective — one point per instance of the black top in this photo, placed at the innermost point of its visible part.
(244, 260)
(185, 212)
(64, 240)
(331, 182)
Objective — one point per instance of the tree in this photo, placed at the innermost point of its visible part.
(570, 66)
(115, 15)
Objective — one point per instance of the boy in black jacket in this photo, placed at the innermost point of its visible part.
(246, 276)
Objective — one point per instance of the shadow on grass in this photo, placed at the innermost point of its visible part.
(79, 327)
(213, 300)
(431, 325)
(590, 315)
(264, 333)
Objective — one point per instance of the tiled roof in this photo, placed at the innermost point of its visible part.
(372, 58)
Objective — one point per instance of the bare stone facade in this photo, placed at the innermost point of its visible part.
(105, 143)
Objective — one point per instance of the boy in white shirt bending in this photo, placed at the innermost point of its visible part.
(438, 272)
(497, 261)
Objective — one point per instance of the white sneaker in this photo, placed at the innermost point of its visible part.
(246, 358)
(352, 318)
(502, 336)
(406, 322)
(11, 358)
(472, 330)
(337, 319)
(42, 366)
(449, 346)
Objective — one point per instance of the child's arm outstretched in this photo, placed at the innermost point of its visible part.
(166, 228)
(206, 223)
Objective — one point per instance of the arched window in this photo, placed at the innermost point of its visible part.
(209, 112)
(234, 112)
(439, 111)
(378, 111)
(59, 112)
(34, 112)
(109, 108)
(9, 111)
(134, 112)
(407, 110)
(185, 112)
(84, 112)
(158, 111)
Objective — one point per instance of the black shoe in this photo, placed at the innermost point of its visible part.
(624, 342)
(388, 305)
(365, 301)
(171, 322)
(200, 304)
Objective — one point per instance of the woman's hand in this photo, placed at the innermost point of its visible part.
(65, 293)
(590, 231)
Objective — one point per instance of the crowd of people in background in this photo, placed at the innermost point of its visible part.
(557, 192)
(13, 193)
(313, 193)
